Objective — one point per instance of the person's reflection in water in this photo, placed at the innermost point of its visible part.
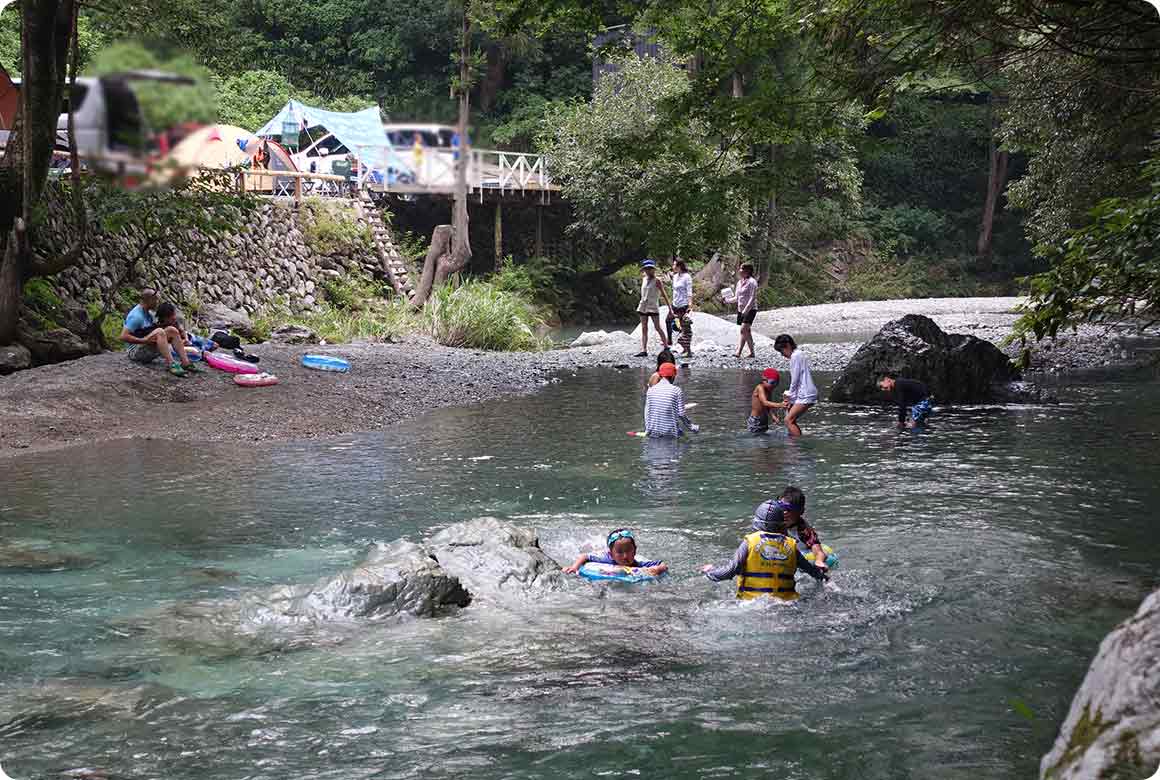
(662, 460)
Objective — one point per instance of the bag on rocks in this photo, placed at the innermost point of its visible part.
(225, 340)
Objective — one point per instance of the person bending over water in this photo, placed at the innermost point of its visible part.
(764, 565)
(621, 552)
(785, 513)
(664, 356)
(762, 401)
(908, 393)
(803, 393)
(664, 407)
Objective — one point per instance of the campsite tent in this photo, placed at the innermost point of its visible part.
(360, 131)
(9, 100)
(226, 146)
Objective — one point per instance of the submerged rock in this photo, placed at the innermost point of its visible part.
(1113, 727)
(957, 368)
(14, 557)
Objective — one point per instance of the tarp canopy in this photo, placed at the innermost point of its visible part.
(358, 130)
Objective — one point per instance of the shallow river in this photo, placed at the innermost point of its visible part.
(981, 563)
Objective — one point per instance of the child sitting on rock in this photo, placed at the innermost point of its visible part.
(621, 552)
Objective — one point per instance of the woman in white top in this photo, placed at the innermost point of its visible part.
(802, 393)
(681, 304)
(746, 295)
(650, 306)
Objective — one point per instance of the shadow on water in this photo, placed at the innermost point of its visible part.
(982, 561)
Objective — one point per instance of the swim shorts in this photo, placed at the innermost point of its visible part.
(747, 318)
(758, 424)
(142, 353)
(921, 410)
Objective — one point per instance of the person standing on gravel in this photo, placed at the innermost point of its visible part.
(681, 304)
(649, 307)
(746, 296)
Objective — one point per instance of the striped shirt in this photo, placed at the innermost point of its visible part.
(664, 410)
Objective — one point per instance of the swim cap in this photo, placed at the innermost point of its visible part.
(771, 375)
(667, 370)
(618, 534)
(769, 518)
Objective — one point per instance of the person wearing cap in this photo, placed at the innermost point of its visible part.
(664, 356)
(621, 552)
(765, 563)
(762, 401)
(664, 407)
(650, 306)
(786, 514)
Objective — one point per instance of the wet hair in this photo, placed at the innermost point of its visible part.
(784, 340)
(794, 498)
(165, 311)
(681, 265)
(665, 356)
(748, 267)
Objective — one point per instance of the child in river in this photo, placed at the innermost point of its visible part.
(765, 563)
(621, 552)
(785, 514)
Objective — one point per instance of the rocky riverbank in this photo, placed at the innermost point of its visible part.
(104, 397)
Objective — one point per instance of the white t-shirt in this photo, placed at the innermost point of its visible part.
(650, 296)
(802, 389)
(682, 290)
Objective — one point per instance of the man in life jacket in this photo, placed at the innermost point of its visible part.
(765, 562)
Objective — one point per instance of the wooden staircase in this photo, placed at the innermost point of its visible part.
(394, 266)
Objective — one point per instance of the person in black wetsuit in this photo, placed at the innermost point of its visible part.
(908, 393)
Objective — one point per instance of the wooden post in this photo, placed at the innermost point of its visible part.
(539, 230)
(498, 234)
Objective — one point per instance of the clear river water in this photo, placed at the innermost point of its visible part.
(982, 561)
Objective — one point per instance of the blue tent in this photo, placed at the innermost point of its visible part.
(357, 130)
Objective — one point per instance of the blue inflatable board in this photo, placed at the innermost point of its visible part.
(325, 363)
(609, 571)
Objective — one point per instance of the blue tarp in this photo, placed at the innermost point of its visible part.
(358, 131)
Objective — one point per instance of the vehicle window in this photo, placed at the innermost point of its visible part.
(77, 98)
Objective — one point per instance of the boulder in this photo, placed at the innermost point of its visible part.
(54, 345)
(214, 316)
(1113, 727)
(957, 368)
(294, 334)
(598, 337)
(14, 357)
(493, 558)
(711, 329)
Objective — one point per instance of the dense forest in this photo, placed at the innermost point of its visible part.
(854, 149)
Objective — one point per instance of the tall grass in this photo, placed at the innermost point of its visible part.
(478, 315)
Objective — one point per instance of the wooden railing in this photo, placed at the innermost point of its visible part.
(293, 184)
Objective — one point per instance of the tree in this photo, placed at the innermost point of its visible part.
(640, 179)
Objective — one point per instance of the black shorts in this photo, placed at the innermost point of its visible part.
(747, 318)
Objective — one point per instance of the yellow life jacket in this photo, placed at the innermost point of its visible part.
(769, 568)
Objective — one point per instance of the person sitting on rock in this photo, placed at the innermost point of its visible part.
(908, 393)
(786, 513)
(765, 563)
(152, 337)
(761, 401)
(664, 407)
(621, 552)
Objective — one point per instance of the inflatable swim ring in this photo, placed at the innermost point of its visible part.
(831, 556)
(325, 363)
(193, 352)
(255, 380)
(231, 365)
(610, 571)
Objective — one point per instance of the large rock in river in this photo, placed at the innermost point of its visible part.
(493, 558)
(1113, 728)
(957, 368)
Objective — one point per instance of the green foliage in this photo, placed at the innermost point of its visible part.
(1105, 270)
(353, 292)
(164, 105)
(540, 281)
(248, 99)
(477, 315)
(41, 297)
(329, 228)
(639, 177)
(369, 319)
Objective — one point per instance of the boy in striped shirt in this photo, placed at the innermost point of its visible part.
(664, 407)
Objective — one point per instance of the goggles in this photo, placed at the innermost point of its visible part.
(785, 506)
(616, 536)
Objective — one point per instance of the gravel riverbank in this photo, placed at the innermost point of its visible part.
(106, 397)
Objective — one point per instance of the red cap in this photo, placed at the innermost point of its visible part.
(771, 375)
(667, 370)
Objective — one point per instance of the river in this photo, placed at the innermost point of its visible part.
(982, 561)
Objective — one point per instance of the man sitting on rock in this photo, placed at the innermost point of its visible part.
(908, 393)
(152, 337)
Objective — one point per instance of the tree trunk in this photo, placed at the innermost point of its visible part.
(494, 77)
(461, 242)
(996, 181)
(498, 235)
(440, 247)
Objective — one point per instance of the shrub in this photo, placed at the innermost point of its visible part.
(352, 292)
(481, 316)
(383, 321)
(908, 229)
(328, 229)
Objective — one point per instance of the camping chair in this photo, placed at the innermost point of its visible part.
(341, 168)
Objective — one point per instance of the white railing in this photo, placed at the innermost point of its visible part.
(433, 170)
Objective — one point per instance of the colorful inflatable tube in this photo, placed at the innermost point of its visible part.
(231, 365)
(325, 363)
(255, 380)
(609, 571)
